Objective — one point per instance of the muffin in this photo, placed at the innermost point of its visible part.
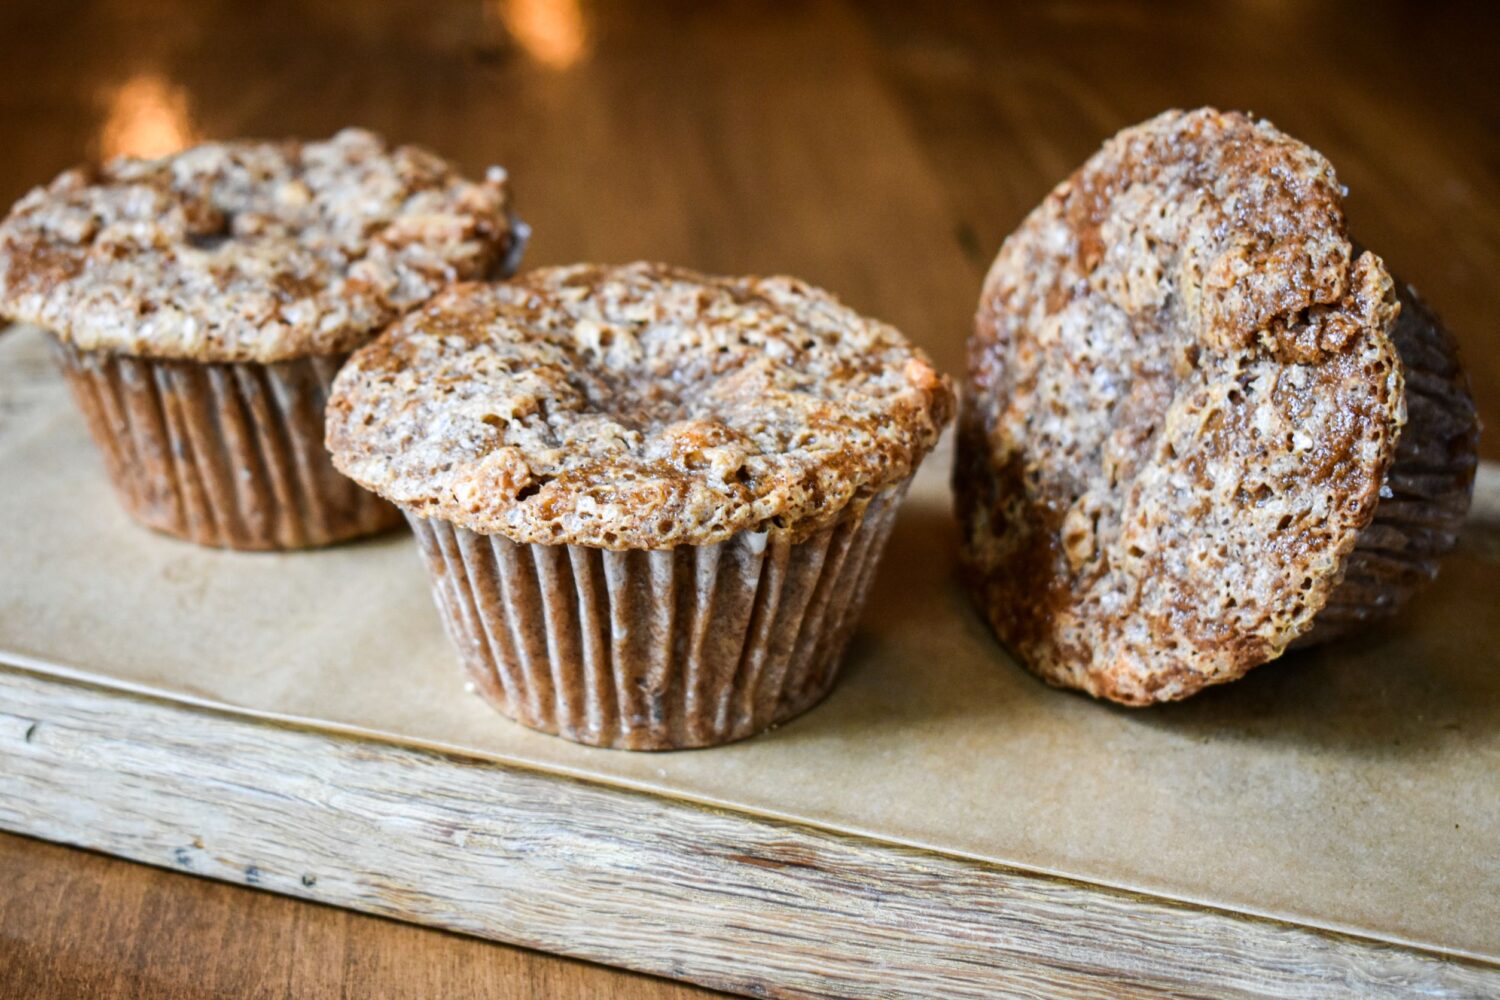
(650, 501)
(1200, 425)
(201, 304)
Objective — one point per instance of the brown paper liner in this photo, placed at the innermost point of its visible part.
(656, 650)
(1429, 486)
(227, 455)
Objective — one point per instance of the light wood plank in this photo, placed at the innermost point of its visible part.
(79, 924)
(725, 900)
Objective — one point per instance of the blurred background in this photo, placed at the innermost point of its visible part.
(880, 149)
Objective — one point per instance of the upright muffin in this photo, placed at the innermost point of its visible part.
(1194, 430)
(651, 501)
(201, 304)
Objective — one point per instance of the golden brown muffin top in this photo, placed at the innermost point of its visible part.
(1183, 401)
(635, 407)
(248, 251)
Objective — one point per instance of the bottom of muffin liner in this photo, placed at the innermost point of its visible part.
(656, 649)
(1427, 490)
(225, 455)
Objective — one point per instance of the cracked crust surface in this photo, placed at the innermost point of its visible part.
(635, 407)
(1183, 400)
(248, 251)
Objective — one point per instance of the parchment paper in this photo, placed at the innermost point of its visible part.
(1355, 788)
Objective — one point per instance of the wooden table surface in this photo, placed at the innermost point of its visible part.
(882, 150)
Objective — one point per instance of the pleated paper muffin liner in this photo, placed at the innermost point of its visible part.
(1429, 486)
(226, 455)
(662, 649)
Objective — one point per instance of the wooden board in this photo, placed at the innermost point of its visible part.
(640, 881)
(830, 865)
(82, 923)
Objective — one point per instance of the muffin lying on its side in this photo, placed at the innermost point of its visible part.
(1194, 430)
(651, 501)
(201, 304)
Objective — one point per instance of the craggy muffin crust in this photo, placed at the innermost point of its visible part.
(1183, 403)
(248, 251)
(636, 407)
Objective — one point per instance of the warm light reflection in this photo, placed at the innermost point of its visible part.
(551, 31)
(147, 116)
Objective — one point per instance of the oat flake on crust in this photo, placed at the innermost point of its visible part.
(248, 251)
(636, 407)
(1183, 401)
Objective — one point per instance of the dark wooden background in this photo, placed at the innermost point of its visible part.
(882, 150)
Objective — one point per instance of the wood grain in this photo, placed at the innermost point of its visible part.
(726, 900)
(79, 924)
(882, 149)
